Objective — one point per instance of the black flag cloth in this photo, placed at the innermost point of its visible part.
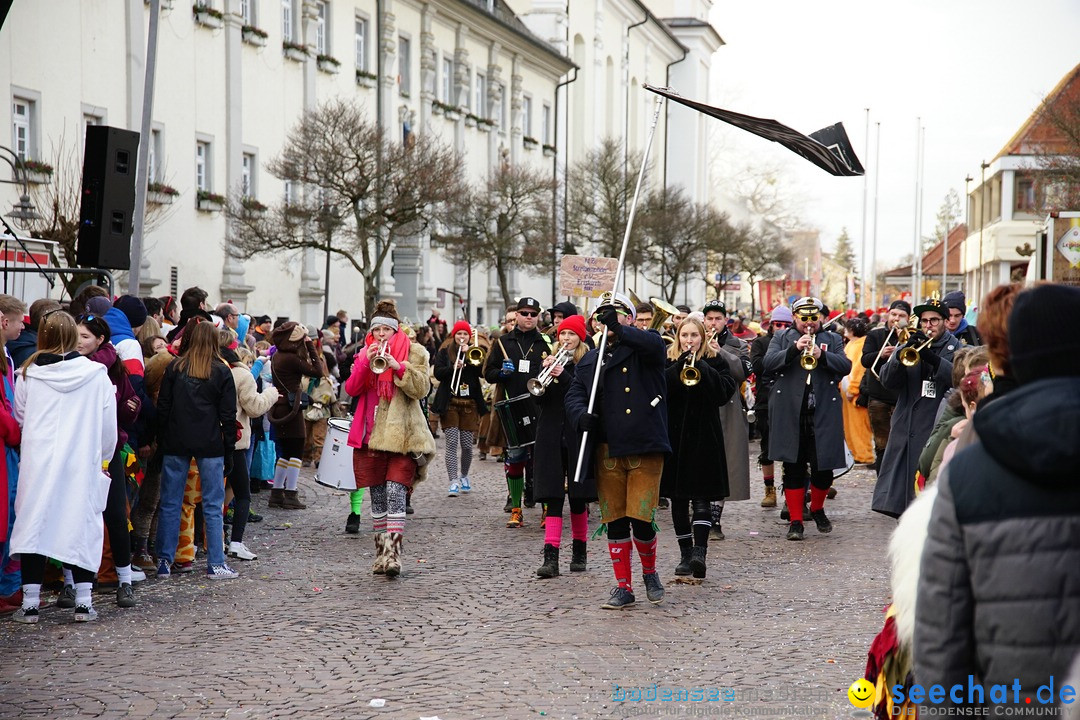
(828, 148)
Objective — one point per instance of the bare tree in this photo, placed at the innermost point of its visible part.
(673, 228)
(363, 192)
(503, 223)
(1056, 144)
(601, 187)
(723, 243)
(948, 215)
(769, 194)
(764, 253)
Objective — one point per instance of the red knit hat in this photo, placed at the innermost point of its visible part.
(576, 324)
(461, 326)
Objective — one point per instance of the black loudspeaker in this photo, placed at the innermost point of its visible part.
(108, 198)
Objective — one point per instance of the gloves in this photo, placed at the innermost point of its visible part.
(228, 462)
(608, 315)
(931, 358)
(589, 422)
(917, 338)
(507, 369)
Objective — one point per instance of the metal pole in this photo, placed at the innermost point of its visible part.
(915, 256)
(619, 279)
(865, 190)
(982, 232)
(143, 164)
(919, 216)
(326, 282)
(873, 244)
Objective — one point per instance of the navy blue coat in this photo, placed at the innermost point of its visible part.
(631, 399)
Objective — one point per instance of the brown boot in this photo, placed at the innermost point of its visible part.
(393, 557)
(770, 497)
(382, 547)
(277, 497)
(292, 501)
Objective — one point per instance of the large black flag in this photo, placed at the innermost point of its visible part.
(828, 148)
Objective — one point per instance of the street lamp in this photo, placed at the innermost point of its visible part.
(23, 210)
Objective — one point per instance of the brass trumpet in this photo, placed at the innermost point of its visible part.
(379, 363)
(690, 375)
(807, 361)
(909, 356)
(475, 355)
(537, 386)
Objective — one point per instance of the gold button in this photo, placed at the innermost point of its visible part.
(627, 390)
(627, 411)
(624, 369)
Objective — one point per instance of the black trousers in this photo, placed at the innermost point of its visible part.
(240, 483)
(33, 570)
(116, 514)
(796, 473)
(620, 529)
(702, 520)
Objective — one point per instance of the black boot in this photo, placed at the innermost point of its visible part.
(509, 506)
(550, 568)
(697, 560)
(528, 500)
(683, 568)
(352, 525)
(577, 560)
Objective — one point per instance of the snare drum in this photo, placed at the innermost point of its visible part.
(518, 419)
(335, 463)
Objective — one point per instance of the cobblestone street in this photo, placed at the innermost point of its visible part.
(468, 630)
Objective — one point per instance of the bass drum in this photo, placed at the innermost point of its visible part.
(335, 463)
(518, 419)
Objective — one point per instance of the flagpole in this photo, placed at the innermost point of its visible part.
(873, 243)
(865, 189)
(619, 272)
(915, 255)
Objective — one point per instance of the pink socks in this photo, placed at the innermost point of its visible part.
(579, 525)
(552, 530)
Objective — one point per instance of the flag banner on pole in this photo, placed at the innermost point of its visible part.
(828, 148)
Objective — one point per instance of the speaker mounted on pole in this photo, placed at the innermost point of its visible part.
(108, 198)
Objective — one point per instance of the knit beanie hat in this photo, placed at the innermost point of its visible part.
(574, 323)
(133, 309)
(955, 299)
(98, 305)
(902, 304)
(461, 326)
(781, 313)
(1038, 346)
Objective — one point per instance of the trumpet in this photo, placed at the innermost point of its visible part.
(909, 356)
(455, 380)
(379, 363)
(537, 386)
(475, 355)
(807, 361)
(690, 375)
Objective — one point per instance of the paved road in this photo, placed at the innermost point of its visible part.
(468, 631)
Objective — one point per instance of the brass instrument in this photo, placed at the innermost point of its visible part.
(902, 333)
(379, 363)
(537, 386)
(475, 355)
(909, 356)
(690, 375)
(807, 361)
(455, 380)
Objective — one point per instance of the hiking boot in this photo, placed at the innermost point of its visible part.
(240, 551)
(550, 568)
(67, 598)
(28, 616)
(683, 568)
(515, 520)
(509, 505)
(697, 561)
(822, 522)
(291, 501)
(454, 490)
(277, 496)
(528, 500)
(620, 598)
(125, 596)
(579, 557)
(770, 497)
(716, 532)
(393, 554)
(352, 525)
(144, 562)
(84, 613)
(795, 531)
(654, 590)
(379, 566)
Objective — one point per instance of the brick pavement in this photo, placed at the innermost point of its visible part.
(468, 631)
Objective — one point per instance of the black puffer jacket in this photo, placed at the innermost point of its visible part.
(197, 418)
(999, 585)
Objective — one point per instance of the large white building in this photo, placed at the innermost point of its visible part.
(552, 78)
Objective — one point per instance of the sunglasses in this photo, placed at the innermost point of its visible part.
(527, 313)
(809, 318)
(781, 323)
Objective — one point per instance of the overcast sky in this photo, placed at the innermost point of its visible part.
(974, 70)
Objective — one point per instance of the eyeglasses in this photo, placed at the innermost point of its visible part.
(781, 323)
(930, 321)
(527, 313)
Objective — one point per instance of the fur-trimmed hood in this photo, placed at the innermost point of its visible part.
(905, 553)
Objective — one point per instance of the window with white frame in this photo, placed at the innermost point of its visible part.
(247, 175)
(90, 119)
(290, 193)
(22, 127)
(247, 11)
(481, 95)
(322, 21)
(526, 116)
(404, 66)
(287, 20)
(155, 170)
(202, 165)
(448, 80)
(546, 127)
(361, 44)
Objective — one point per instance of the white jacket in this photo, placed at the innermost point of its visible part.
(68, 415)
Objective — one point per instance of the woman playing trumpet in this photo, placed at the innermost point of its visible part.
(556, 453)
(459, 402)
(698, 383)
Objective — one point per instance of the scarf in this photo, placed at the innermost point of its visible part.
(398, 346)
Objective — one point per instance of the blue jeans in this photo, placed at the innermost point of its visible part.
(174, 471)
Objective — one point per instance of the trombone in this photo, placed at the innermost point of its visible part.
(690, 375)
(475, 355)
(379, 363)
(909, 356)
(459, 365)
(537, 386)
(901, 337)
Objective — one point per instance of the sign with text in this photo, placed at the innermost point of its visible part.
(584, 276)
(1066, 268)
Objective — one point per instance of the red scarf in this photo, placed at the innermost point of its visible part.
(398, 346)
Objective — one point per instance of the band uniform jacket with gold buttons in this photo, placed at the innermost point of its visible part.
(786, 398)
(631, 399)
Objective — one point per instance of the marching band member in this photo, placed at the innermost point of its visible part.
(732, 417)
(459, 403)
(628, 440)
(514, 360)
(556, 455)
(956, 323)
(389, 433)
(806, 423)
(881, 402)
(698, 382)
(919, 381)
(779, 319)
